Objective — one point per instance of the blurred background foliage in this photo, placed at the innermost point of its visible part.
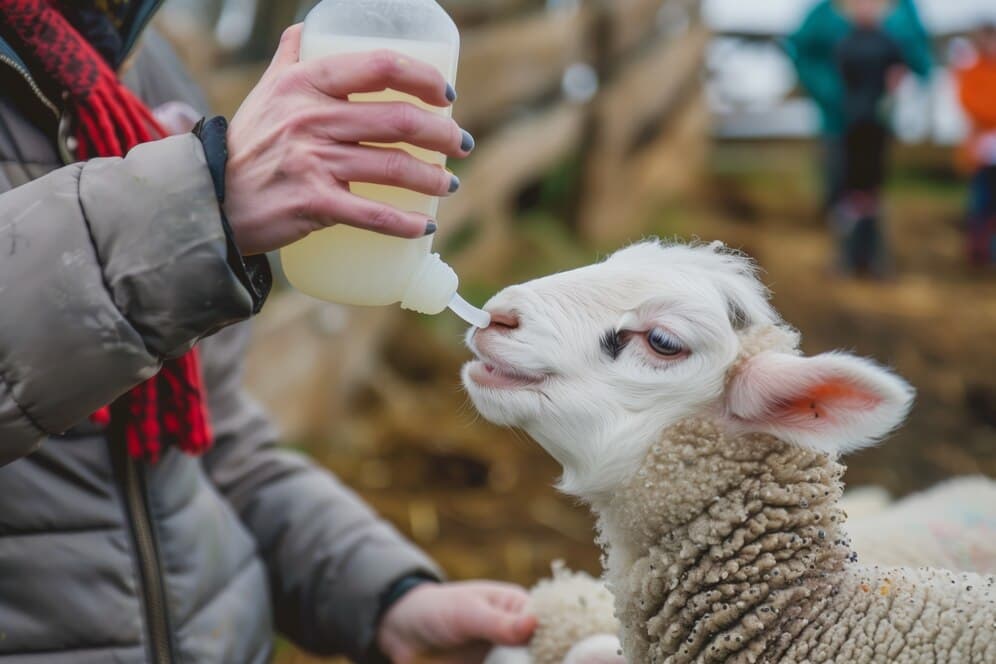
(599, 123)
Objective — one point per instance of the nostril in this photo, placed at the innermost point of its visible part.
(504, 320)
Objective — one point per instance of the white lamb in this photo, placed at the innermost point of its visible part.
(681, 410)
(951, 526)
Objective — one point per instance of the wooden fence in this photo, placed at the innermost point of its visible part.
(646, 55)
(644, 103)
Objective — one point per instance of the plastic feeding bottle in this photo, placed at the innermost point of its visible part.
(353, 266)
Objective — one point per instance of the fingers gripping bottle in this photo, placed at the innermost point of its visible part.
(353, 266)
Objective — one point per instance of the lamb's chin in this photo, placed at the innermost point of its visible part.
(508, 407)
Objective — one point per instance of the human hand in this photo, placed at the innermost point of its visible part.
(176, 117)
(295, 144)
(454, 623)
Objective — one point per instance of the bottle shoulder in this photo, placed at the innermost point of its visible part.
(417, 20)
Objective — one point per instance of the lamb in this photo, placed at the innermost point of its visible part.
(681, 410)
(952, 526)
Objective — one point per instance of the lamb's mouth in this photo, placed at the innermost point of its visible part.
(497, 375)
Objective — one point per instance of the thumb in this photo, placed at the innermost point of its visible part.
(289, 49)
(490, 623)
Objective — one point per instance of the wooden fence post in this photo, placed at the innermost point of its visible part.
(599, 36)
(647, 73)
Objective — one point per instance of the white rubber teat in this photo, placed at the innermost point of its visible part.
(468, 312)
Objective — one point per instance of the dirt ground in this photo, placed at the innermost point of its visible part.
(479, 498)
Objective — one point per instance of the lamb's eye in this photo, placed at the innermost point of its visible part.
(664, 343)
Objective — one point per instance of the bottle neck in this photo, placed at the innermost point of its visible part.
(431, 288)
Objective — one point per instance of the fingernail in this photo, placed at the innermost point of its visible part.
(430, 228)
(451, 94)
(454, 183)
(468, 142)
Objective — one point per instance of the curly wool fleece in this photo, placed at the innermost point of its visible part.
(951, 525)
(731, 550)
(571, 607)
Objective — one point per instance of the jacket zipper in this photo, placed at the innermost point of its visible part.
(65, 142)
(31, 83)
(157, 619)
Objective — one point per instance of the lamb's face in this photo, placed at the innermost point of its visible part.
(595, 362)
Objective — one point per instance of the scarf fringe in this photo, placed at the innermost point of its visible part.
(112, 120)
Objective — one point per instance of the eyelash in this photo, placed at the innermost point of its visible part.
(656, 336)
(613, 344)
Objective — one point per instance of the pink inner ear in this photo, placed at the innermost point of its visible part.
(822, 399)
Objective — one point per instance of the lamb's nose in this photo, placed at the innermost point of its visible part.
(504, 321)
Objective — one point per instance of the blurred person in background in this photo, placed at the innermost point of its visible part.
(977, 91)
(146, 510)
(850, 55)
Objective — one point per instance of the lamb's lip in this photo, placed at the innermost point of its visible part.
(490, 372)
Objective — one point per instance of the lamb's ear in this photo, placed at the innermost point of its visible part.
(834, 403)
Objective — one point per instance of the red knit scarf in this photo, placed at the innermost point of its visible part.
(169, 408)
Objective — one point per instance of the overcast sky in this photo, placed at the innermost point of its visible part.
(781, 16)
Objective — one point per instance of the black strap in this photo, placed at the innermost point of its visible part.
(253, 272)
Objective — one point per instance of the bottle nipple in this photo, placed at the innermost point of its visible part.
(468, 312)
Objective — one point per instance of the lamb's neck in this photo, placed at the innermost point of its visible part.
(716, 542)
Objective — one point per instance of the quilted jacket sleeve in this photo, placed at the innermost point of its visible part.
(106, 268)
(330, 558)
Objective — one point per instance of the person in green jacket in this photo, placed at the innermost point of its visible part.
(849, 56)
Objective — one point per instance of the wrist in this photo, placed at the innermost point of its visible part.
(400, 588)
(213, 135)
(386, 643)
(253, 272)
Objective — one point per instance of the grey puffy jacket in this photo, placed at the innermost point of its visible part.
(105, 269)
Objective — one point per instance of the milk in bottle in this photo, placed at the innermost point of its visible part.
(352, 266)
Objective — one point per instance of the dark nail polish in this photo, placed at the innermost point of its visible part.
(468, 142)
(430, 228)
(451, 94)
(454, 183)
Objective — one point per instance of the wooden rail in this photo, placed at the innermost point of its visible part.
(506, 67)
(632, 22)
(649, 69)
(470, 13)
(641, 101)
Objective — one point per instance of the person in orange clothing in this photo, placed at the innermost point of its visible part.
(977, 91)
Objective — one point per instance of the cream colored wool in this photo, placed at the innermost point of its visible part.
(951, 526)
(570, 607)
(761, 338)
(732, 550)
(865, 501)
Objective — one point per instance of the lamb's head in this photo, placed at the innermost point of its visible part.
(595, 363)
